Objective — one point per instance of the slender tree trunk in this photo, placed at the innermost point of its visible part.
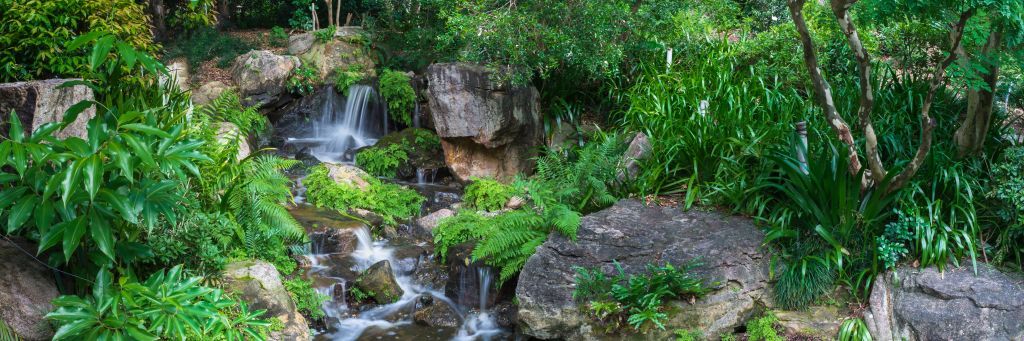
(927, 123)
(159, 16)
(822, 90)
(973, 131)
(224, 13)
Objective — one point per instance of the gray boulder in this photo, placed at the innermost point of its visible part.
(379, 282)
(638, 150)
(925, 304)
(635, 235)
(487, 129)
(431, 221)
(26, 290)
(261, 76)
(333, 56)
(438, 314)
(209, 92)
(347, 175)
(40, 102)
(258, 283)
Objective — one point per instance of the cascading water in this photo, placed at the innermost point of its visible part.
(345, 123)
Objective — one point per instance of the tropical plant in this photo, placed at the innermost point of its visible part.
(382, 161)
(392, 202)
(165, 306)
(326, 34)
(397, 91)
(35, 34)
(303, 81)
(638, 298)
(228, 108)
(1008, 176)
(487, 194)
(194, 14)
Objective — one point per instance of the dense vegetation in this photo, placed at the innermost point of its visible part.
(860, 135)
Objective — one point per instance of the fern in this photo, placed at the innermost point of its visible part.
(228, 108)
(392, 202)
(487, 194)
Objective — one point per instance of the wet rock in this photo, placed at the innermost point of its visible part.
(505, 314)
(431, 221)
(209, 92)
(371, 218)
(925, 304)
(347, 175)
(466, 278)
(639, 149)
(430, 273)
(40, 102)
(379, 282)
(817, 321)
(261, 76)
(487, 129)
(336, 241)
(635, 235)
(258, 283)
(26, 290)
(438, 314)
(228, 133)
(305, 156)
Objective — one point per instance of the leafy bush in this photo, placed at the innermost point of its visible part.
(382, 161)
(303, 81)
(193, 14)
(637, 299)
(392, 202)
(399, 94)
(892, 246)
(206, 43)
(306, 299)
(34, 34)
(301, 18)
(688, 335)
(201, 242)
(326, 34)
(763, 328)
(278, 37)
(165, 306)
(487, 194)
(1008, 184)
(345, 78)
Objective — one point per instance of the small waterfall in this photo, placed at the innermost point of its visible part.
(346, 123)
(416, 116)
(480, 326)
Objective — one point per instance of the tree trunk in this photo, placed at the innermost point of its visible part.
(223, 13)
(822, 90)
(159, 16)
(970, 137)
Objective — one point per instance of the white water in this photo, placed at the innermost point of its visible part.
(345, 123)
(348, 325)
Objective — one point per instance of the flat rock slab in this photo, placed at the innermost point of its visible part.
(635, 235)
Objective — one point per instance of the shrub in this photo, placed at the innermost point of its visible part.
(637, 299)
(1008, 184)
(346, 77)
(399, 94)
(487, 194)
(34, 34)
(206, 43)
(278, 37)
(392, 202)
(326, 34)
(763, 328)
(165, 306)
(201, 243)
(303, 81)
(307, 300)
(382, 161)
(193, 14)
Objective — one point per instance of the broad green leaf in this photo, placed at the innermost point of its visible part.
(102, 235)
(53, 235)
(93, 175)
(150, 130)
(21, 212)
(72, 113)
(16, 131)
(73, 235)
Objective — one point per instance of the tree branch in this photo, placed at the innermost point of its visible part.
(927, 123)
(822, 90)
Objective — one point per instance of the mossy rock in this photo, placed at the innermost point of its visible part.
(379, 282)
(400, 154)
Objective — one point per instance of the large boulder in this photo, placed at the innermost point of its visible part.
(258, 283)
(379, 282)
(926, 304)
(432, 220)
(487, 129)
(261, 76)
(343, 52)
(26, 290)
(635, 235)
(40, 102)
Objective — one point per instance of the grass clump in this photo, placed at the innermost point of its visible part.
(487, 194)
(392, 202)
(639, 299)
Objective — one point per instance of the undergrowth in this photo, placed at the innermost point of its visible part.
(392, 202)
(307, 300)
(487, 194)
(399, 94)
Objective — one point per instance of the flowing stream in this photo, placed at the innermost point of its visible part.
(345, 123)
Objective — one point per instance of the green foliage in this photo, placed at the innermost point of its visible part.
(1008, 184)
(854, 329)
(303, 81)
(7, 333)
(96, 195)
(301, 18)
(206, 43)
(200, 242)
(487, 194)
(345, 78)
(306, 299)
(278, 37)
(688, 335)
(193, 15)
(228, 108)
(359, 296)
(763, 328)
(34, 35)
(392, 202)
(399, 94)
(165, 306)
(583, 178)
(639, 299)
(803, 280)
(326, 34)
(382, 161)
(892, 246)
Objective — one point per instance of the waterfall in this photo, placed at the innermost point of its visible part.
(346, 123)
(416, 116)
